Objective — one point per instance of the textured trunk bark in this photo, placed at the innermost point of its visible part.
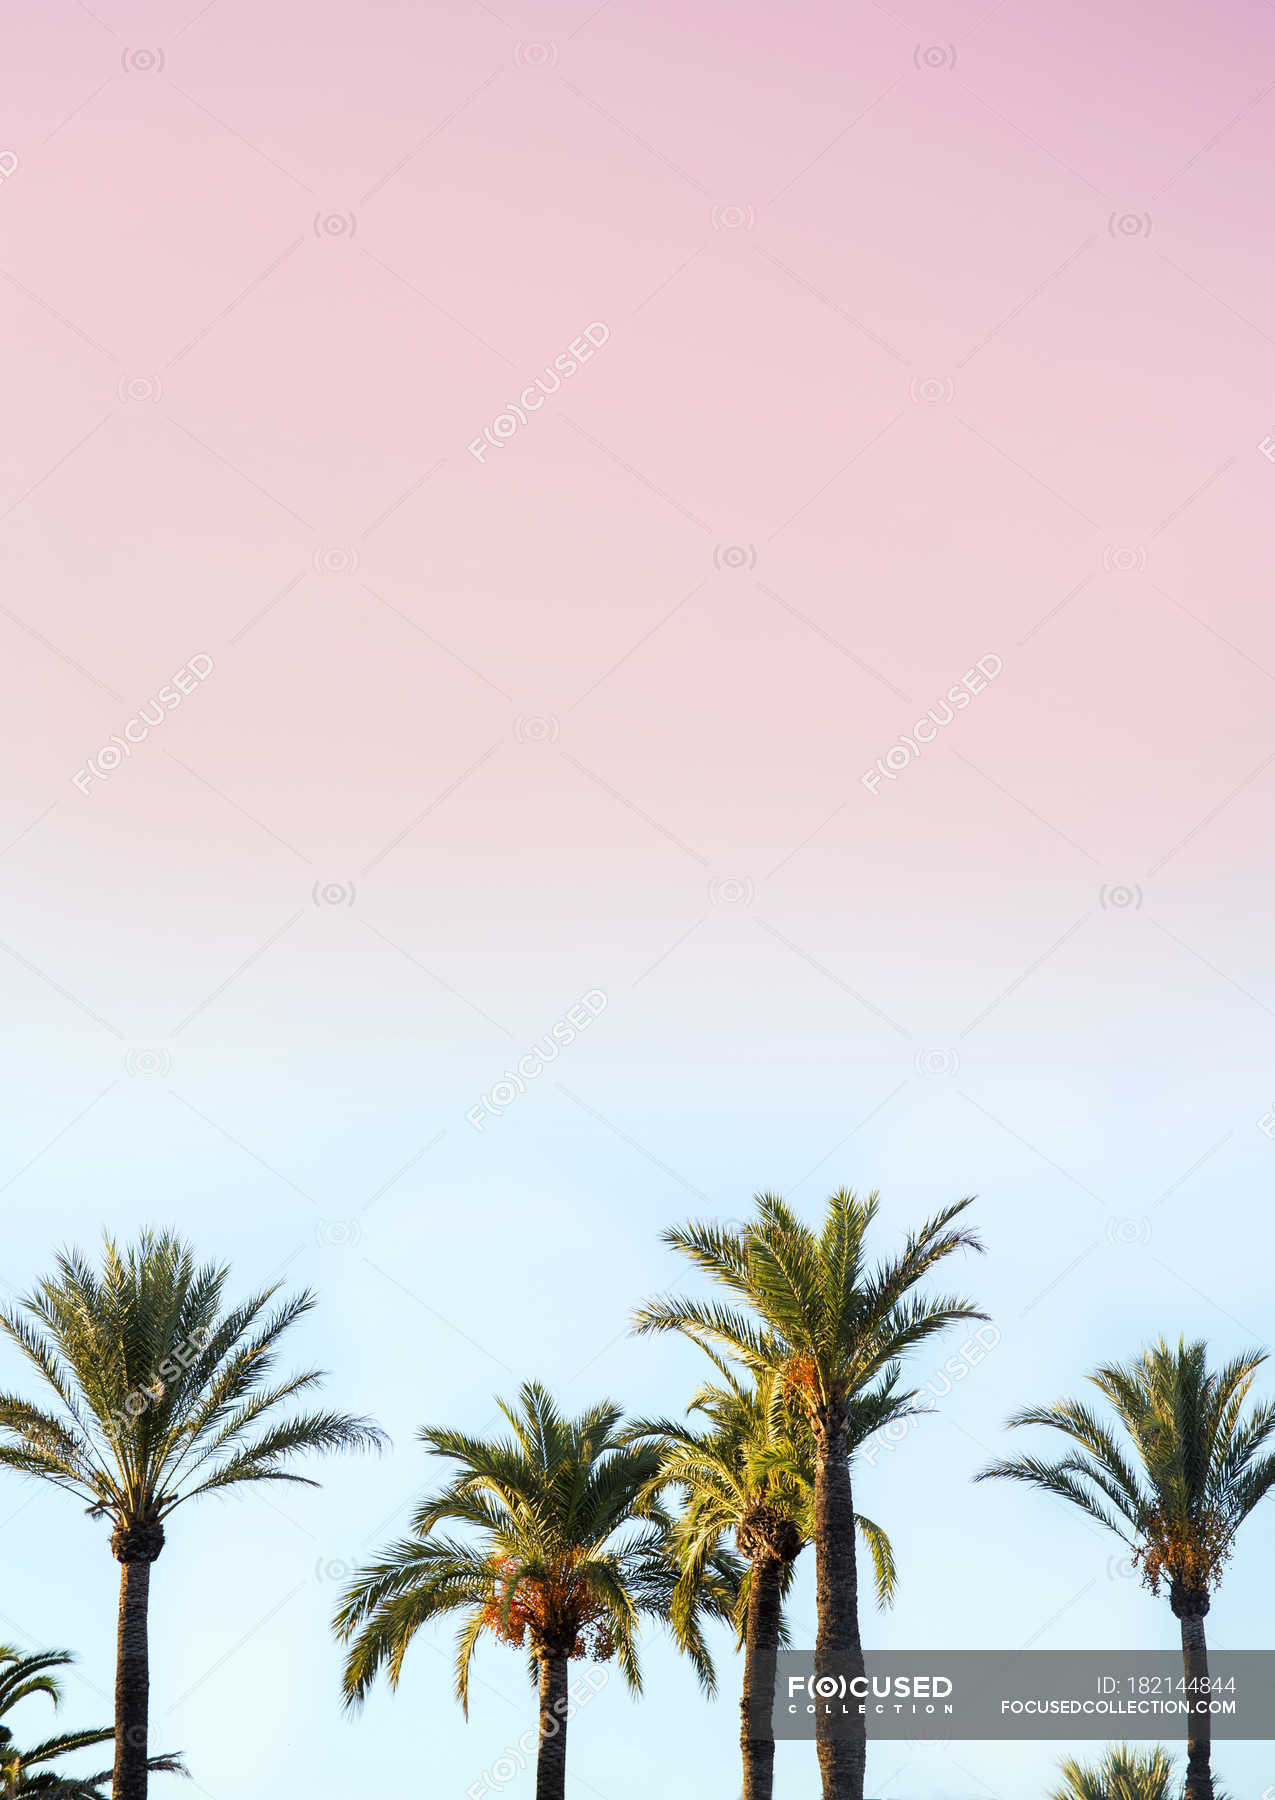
(1199, 1746)
(132, 1683)
(761, 1650)
(838, 1649)
(551, 1758)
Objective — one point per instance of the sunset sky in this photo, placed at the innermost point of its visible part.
(930, 344)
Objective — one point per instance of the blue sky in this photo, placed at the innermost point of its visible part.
(521, 1252)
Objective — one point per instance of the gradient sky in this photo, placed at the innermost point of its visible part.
(938, 333)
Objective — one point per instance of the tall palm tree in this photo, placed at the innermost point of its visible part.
(564, 1556)
(1123, 1774)
(1176, 1492)
(161, 1395)
(25, 1773)
(748, 1477)
(810, 1309)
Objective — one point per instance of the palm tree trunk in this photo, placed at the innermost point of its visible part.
(132, 1682)
(1195, 1663)
(551, 1757)
(838, 1648)
(761, 1650)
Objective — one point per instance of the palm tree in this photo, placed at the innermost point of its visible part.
(834, 1330)
(1123, 1774)
(30, 1772)
(565, 1557)
(750, 1477)
(159, 1395)
(1177, 1494)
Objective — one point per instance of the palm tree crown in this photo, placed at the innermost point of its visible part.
(1124, 1773)
(565, 1558)
(160, 1392)
(831, 1326)
(26, 1772)
(1197, 1469)
(749, 1475)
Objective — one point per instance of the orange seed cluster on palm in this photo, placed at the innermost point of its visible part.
(554, 1606)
